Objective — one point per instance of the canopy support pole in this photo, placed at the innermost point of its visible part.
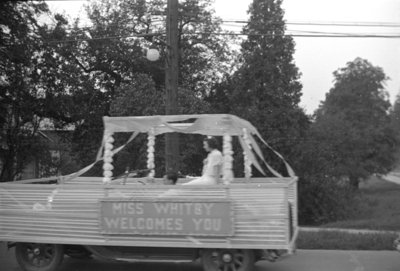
(151, 140)
(228, 159)
(108, 157)
(247, 160)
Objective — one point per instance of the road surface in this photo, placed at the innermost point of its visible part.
(303, 260)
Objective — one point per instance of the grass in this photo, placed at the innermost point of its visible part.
(377, 208)
(345, 241)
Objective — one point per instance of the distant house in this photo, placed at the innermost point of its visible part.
(59, 145)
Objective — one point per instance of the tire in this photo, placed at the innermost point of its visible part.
(39, 257)
(228, 259)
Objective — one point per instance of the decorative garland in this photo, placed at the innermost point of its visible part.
(228, 159)
(108, 158)
(247, 161)
(151, 140)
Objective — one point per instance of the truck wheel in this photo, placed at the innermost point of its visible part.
(39, 257)
(228, 259)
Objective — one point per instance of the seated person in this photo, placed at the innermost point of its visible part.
(211, 166)
(170, 178)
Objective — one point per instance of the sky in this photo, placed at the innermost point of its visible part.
(318, 57)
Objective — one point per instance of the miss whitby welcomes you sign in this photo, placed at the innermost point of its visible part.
(166, 217)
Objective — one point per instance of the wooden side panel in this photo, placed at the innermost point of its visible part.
(69, 213)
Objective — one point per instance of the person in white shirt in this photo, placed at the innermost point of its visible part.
(211, 166)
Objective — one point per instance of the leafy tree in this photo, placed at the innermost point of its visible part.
(352, 125)
(322, 198)
(111, 49)
(266, 89)
(109, 54)
(205, 57)
(20, 94)
(395, 125)
(395, 115)
(143, 98)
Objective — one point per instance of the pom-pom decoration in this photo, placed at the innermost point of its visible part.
(247, 161)
(151, 140)
(108, 154)
(228, 159)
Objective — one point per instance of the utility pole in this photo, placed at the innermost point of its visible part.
(171, 84)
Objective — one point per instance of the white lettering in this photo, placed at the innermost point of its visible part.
(178, 224)
(173, 208)
(208, 207)
(217, 224)
(111, 222)
(139, 208)
(140, 223)
(161, 208)
(197, 209)
(188, 206)
(149, 223)
(160, 224)
(127, 208)
(207, 224)
(117, 208)
(169, 224)
(124, 223)
(197, 222)
(132, 225)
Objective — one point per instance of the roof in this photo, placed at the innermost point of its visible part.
(205, 124)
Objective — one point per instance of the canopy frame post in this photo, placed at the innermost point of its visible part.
(247, 160)
(151, 140)
(108, 157)
(227, 171)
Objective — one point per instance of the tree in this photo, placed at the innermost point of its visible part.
(20, 94)
(353, 124)
(109, 54)
(205, 56)
(395, 125)
(265, 89)
(112, 48)
(395, 115)
(141, 98)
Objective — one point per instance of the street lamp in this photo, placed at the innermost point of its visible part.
(152, 54)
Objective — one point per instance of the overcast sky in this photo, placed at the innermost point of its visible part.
(318, 57)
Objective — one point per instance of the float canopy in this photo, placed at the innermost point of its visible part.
(204, 124)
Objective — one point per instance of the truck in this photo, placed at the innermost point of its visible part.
(227, 226)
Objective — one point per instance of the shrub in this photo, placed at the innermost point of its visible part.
(323, 200)
(345, 240)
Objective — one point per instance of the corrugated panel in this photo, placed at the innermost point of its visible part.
(69, 213)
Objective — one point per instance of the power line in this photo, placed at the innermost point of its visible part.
(293, 31)
(105, 38)
(305, 34)
(320, 35)
(353, 24)
(231, 24)
(303, 23)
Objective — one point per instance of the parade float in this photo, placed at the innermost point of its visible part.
(228, 226)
